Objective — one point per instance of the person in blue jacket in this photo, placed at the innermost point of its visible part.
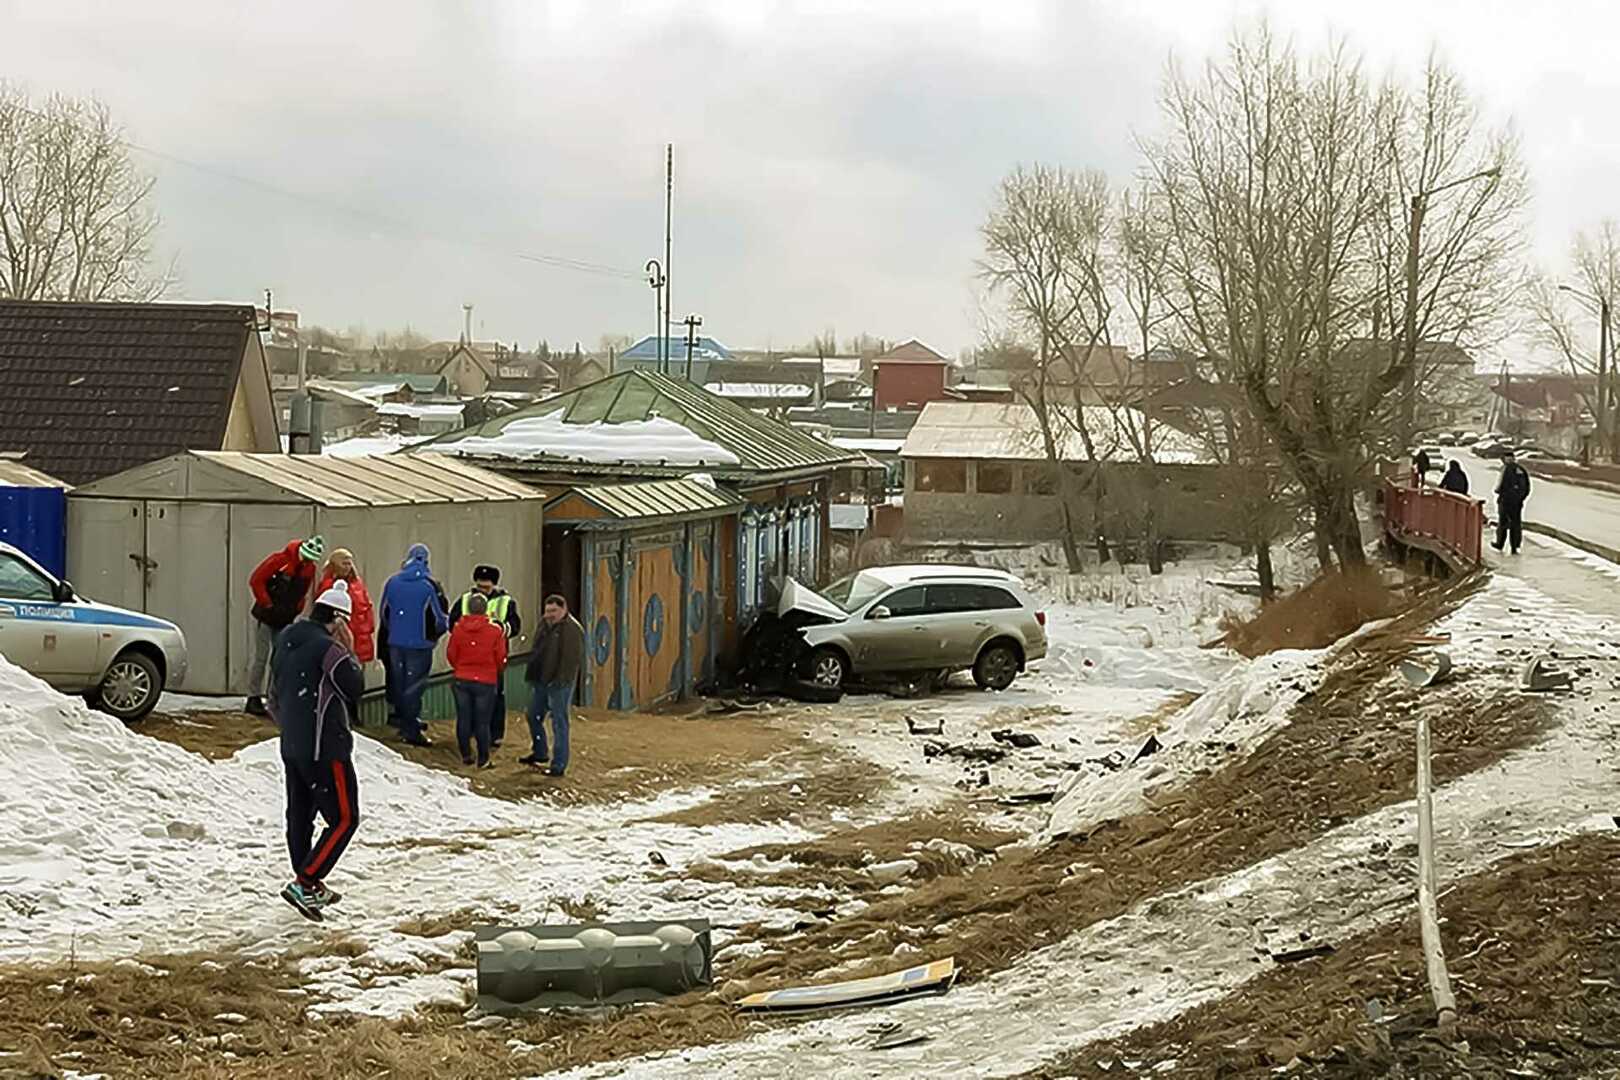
(414, 614)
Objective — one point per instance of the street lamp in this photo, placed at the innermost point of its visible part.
(1420, 201)
(655, 278)
(1602, 409)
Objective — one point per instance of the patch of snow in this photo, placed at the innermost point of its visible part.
(757, 390)
(199, 703)
(364, 445)
(656, 440)
(435, 411)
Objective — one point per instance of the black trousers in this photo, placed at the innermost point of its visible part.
(497, 719)
(327, 788)
(1509, 524)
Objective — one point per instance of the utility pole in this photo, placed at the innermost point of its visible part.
(1414, 234)
(692, 324)
(669, 214)
(1600, 408)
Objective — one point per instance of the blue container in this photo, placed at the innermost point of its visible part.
(35, 520)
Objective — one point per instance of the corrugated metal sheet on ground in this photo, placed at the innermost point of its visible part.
(385, 480)
(659, 498)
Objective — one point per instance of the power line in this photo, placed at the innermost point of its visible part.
(559, 262)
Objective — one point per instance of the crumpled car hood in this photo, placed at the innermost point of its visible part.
(806, 606)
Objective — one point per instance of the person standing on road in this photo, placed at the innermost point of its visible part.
(280, 585)
(477, 657)
(558, 653)
(1455, 479)
(362, 621)
(414, 619)
(503, 612)
(1511, 492)
(315, 684)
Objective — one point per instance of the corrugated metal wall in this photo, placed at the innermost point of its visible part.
(35, 520)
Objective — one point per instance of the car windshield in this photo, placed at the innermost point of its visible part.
(855, 591)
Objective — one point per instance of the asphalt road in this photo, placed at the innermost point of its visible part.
(1584, 512)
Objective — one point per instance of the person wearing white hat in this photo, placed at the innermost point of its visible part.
(315, 684)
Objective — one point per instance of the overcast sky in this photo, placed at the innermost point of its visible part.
(833, 158)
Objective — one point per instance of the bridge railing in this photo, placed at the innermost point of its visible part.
(1431, 518)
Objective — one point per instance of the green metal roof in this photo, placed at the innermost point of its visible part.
(759, 443)
(658, 499)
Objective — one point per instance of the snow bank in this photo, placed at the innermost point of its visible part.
(656, 440)
(1232, 718)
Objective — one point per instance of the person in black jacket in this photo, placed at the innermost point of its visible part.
(1455, 479)
(1511, 492)
(315, 683)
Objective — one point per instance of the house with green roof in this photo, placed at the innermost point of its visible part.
(638, 427)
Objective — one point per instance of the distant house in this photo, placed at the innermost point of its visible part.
(909, 376)
(706, 354)
(88, 390)
(978, 471)
(1553, 412)
(467, 371)
(767, 384)
(637, 426)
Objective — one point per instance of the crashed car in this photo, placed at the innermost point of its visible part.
(934, 619)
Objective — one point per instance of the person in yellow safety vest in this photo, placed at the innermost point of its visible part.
(503, 611)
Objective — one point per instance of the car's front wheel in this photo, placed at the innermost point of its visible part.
(131, 687)
(828, 668)
(996, 667)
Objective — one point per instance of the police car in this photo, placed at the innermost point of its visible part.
(121, 660)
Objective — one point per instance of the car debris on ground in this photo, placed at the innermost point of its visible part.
(935, 977)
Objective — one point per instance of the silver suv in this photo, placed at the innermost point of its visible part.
(119, 659)
(932, 618)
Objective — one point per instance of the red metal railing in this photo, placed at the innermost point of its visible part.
(1433, 517)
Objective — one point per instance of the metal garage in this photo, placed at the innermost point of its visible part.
(638, 565)
(179, 537)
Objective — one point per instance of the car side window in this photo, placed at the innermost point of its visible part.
(905, 602)
(954, 598)
(19, 581)
(991, 598)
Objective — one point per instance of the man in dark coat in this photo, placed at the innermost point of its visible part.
(1511, 492)
(315, 683)
(558, 653)
(1455, 479)
(503, 612)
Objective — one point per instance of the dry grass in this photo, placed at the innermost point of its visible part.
(821, 782)
(613, 756)
(1534, 950)
(1313, 616)
(214, 735)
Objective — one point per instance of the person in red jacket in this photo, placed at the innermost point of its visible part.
(281, 587)
(477, 658)
(363, 621)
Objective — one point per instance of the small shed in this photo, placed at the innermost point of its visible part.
(33, 513)
(640, 566)
(179, 537)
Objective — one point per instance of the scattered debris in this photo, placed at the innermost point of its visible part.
(1420, 673)
(1027, 798)
(1152, 746)
(936, 728)
(1022, 740)
(1538, 676)
(657, 858)
(925, 979)
(1308, 952)
(988, 755)
(731, 706)
(900, 1037)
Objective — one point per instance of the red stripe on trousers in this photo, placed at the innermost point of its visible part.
(344, 824)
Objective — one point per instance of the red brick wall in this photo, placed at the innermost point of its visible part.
(908, 386)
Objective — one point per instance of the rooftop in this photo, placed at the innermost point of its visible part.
(997, 430)
(912, 352)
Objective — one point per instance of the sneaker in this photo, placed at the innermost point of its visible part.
(303, 901)
(417, 740)
(496, 745)
(255, 707)
(320, 895)
(534, 759)
(466, 759)
(486, 764)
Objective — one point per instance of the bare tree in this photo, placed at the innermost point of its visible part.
(76, 216)
(1595, 269)
(1289, 190)
(1042, 248)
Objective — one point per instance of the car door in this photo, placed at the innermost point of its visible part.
(953, 626)
(890, 641)
(40, 634)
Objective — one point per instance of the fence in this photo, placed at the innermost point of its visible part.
(1452, 526)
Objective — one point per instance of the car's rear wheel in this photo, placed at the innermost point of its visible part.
(996, 667)
(131, 687)
(828, 668)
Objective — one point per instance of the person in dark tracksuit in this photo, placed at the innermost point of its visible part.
(315, 682)
(1511, 492)
(1455, 480)
(503, 611)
